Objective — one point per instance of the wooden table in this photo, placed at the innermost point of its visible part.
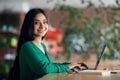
(77, 76)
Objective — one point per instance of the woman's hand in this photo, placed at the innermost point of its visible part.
(72, 65)
(80, 65)
(76, 67)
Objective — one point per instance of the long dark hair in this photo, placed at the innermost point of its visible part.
(26, 34)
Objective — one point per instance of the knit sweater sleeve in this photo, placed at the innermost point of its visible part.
(38, 62)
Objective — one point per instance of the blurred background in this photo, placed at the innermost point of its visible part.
(80, 29)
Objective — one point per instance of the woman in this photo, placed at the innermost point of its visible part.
(32, 60)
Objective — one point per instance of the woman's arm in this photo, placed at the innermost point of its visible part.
(38, 63)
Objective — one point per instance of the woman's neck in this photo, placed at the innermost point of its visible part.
(37, 40)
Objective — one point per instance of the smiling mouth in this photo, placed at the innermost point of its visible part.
(41, 31)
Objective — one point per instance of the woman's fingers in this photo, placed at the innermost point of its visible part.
(83, 65)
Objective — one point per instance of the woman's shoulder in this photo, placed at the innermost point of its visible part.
(27, 44)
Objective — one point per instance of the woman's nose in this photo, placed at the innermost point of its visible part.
(40, 25)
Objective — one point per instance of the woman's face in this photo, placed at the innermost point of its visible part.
(40, 25)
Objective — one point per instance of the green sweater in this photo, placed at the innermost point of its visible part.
(34, 64)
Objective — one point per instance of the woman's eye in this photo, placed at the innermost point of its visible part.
(36, 22)
(45, 22)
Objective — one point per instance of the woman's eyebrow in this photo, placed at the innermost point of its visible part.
(40, 20)
(36, 20)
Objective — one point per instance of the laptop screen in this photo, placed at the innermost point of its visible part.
(100, 56)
